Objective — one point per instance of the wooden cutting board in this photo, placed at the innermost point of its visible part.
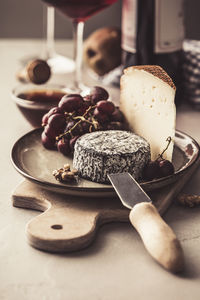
(71, 223)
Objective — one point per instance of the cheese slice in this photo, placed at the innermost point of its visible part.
(147, 101)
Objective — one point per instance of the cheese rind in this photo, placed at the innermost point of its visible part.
(101, 153)
(147, 102)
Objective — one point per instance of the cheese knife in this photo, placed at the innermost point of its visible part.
(158, 238)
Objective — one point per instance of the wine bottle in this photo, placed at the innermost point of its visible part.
(153, 33)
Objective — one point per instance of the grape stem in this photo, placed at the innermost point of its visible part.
(169, 139)
(81, 119)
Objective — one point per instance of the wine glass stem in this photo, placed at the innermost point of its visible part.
(50, 48)
(78, 51)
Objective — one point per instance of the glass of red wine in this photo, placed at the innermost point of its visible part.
(79, 11)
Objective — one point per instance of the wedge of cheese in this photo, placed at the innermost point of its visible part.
(147, 100)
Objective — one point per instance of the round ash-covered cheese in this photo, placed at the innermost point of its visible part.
(100, 153)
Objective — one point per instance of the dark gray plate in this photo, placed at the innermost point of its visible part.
(36, 163)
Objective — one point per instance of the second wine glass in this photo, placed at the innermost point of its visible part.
(58, 63)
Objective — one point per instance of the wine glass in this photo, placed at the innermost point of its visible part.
(58, 63)
(79, 11)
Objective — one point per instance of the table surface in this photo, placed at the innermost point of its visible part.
(116, 266)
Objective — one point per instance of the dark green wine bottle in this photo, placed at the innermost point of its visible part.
(152, 34)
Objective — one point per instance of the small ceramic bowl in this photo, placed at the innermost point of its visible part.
(35, 100)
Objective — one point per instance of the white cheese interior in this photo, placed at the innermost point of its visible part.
(148, 105)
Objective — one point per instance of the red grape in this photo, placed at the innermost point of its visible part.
(52, 111)
(106, 107)
(45, 119)
(47, 142)
(72, 142)
(101, 117)
(157, 169)
(151, 170)
(115, 126)
(117, 115)
(166, 167)
(57, 122)
(76, 129)
(87, 100)
(83, 108)
(98, 93)
(63, 146)
(70, 103)
(50, 132)
(70, 124)
(84, 127)
(79, 129)
(55, 110)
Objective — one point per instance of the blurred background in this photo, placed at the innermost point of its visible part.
(26, 19)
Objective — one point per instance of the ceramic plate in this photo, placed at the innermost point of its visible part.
(36, 163)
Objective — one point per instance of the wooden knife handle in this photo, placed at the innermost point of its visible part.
(158, 238)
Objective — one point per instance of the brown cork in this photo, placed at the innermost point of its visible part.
(154, 70)
(38, 71)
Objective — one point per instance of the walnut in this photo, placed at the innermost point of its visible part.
(188, 200)
(67, 167)
(65, 174)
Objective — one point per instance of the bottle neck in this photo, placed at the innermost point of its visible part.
(145, 31)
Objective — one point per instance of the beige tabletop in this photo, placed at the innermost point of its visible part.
(116, 266)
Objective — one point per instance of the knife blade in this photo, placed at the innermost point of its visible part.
(120, 182)
(158, 238)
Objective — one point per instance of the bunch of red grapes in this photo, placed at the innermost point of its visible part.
(76, 115)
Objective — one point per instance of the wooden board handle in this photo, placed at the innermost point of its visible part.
(62, 229)
(157, 236)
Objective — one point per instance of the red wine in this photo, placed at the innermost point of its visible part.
(37, 103)
(80, 10)
(42, 96)
(152, 33)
